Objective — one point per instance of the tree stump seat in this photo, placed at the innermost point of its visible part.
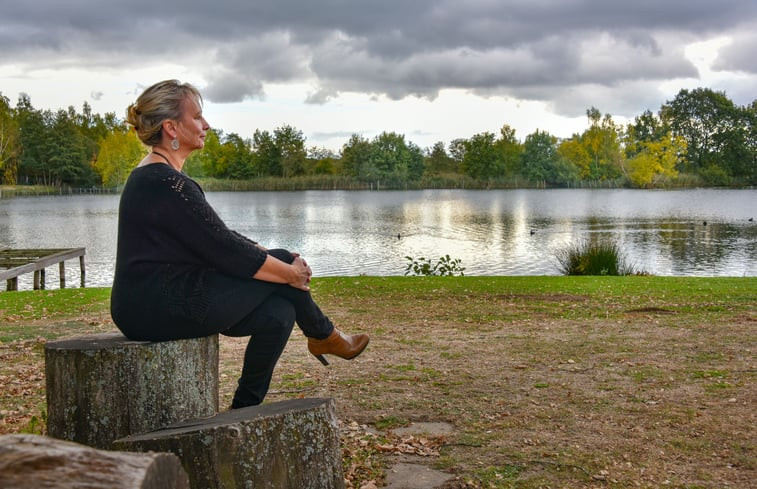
(280, 445)
(104, 386)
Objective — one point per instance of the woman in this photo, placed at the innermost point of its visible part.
(181, 273)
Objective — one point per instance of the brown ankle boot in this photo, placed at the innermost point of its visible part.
(339, 344)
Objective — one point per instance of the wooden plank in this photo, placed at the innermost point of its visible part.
(35, 259)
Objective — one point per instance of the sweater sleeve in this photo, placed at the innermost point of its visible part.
(197, 228)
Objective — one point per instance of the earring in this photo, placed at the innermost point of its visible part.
(175, 144)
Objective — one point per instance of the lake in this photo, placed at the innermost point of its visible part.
(701, 232)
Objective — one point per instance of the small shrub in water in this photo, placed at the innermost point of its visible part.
(598, 258)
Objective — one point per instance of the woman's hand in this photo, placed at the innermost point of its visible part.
(302, 273)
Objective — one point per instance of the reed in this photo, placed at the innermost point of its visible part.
(594, 258)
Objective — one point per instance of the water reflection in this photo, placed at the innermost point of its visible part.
(514, 232)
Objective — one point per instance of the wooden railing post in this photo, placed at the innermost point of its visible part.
(62, 268)
(81, 269)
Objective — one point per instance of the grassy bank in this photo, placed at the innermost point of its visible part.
(548, 381)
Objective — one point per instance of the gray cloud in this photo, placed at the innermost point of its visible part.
(563, 52)
(740, 54)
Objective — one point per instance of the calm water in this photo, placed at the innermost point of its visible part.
(511, 232)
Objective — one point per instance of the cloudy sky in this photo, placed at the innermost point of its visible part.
(429, 69)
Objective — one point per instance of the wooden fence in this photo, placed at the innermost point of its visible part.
(15, 262)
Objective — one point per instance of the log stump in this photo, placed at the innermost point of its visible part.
(284, 444)
(103, 387)
(40, 462)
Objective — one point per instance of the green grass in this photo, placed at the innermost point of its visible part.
(570, 297)
(45, 304)
(521, 298)
(23, 314)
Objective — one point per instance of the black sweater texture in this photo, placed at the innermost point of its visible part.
(169, 237)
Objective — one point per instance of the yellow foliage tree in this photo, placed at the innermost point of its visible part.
(657, 159)
(575, 152)
(120, 151)
(597, 151)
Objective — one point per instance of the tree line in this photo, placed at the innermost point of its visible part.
(700, 138)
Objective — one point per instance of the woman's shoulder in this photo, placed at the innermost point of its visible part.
(158, 177)
(158, 172)
(178, 182)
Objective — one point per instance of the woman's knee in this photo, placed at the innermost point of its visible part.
(274, 315)
(280, 313)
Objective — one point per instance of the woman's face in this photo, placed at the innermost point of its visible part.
(191, 126)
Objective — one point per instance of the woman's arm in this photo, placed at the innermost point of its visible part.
(274, 270)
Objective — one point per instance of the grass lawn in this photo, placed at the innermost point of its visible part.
(632, 381)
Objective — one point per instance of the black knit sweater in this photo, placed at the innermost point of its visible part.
(168, 238)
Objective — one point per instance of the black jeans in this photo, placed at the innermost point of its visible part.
(268, 325)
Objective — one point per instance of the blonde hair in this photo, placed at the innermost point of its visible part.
(157, 103)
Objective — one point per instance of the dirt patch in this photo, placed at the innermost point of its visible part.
(544, 297)
(658, 310)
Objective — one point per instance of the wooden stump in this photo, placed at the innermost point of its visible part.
(285, 444)
(36, 461)
(103, 387)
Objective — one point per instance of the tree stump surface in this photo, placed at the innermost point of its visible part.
(284, 444)
(39, 462)
(103, 387)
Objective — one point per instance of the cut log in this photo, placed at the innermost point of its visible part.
(103, 387)
(287, 444)
(40, 462)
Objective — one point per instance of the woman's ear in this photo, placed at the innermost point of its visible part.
(169, 128)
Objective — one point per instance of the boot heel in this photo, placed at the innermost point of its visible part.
(322, 359)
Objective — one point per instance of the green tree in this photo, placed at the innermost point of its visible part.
(415, 166)
(93, 128)
(119, 153)
(481, 160)
(266, 154)
(32, 135)
(291, 149)
(716, 131)
(9, 143)
(394, 159)
(236, 157)
(750, 117)
(510, 150)
(438, 162)
(646, 128)
(356, 159)
(209, 161)
(457, 151)
(55, 152)
(68, 153)
(321, 161)
(541, 161)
